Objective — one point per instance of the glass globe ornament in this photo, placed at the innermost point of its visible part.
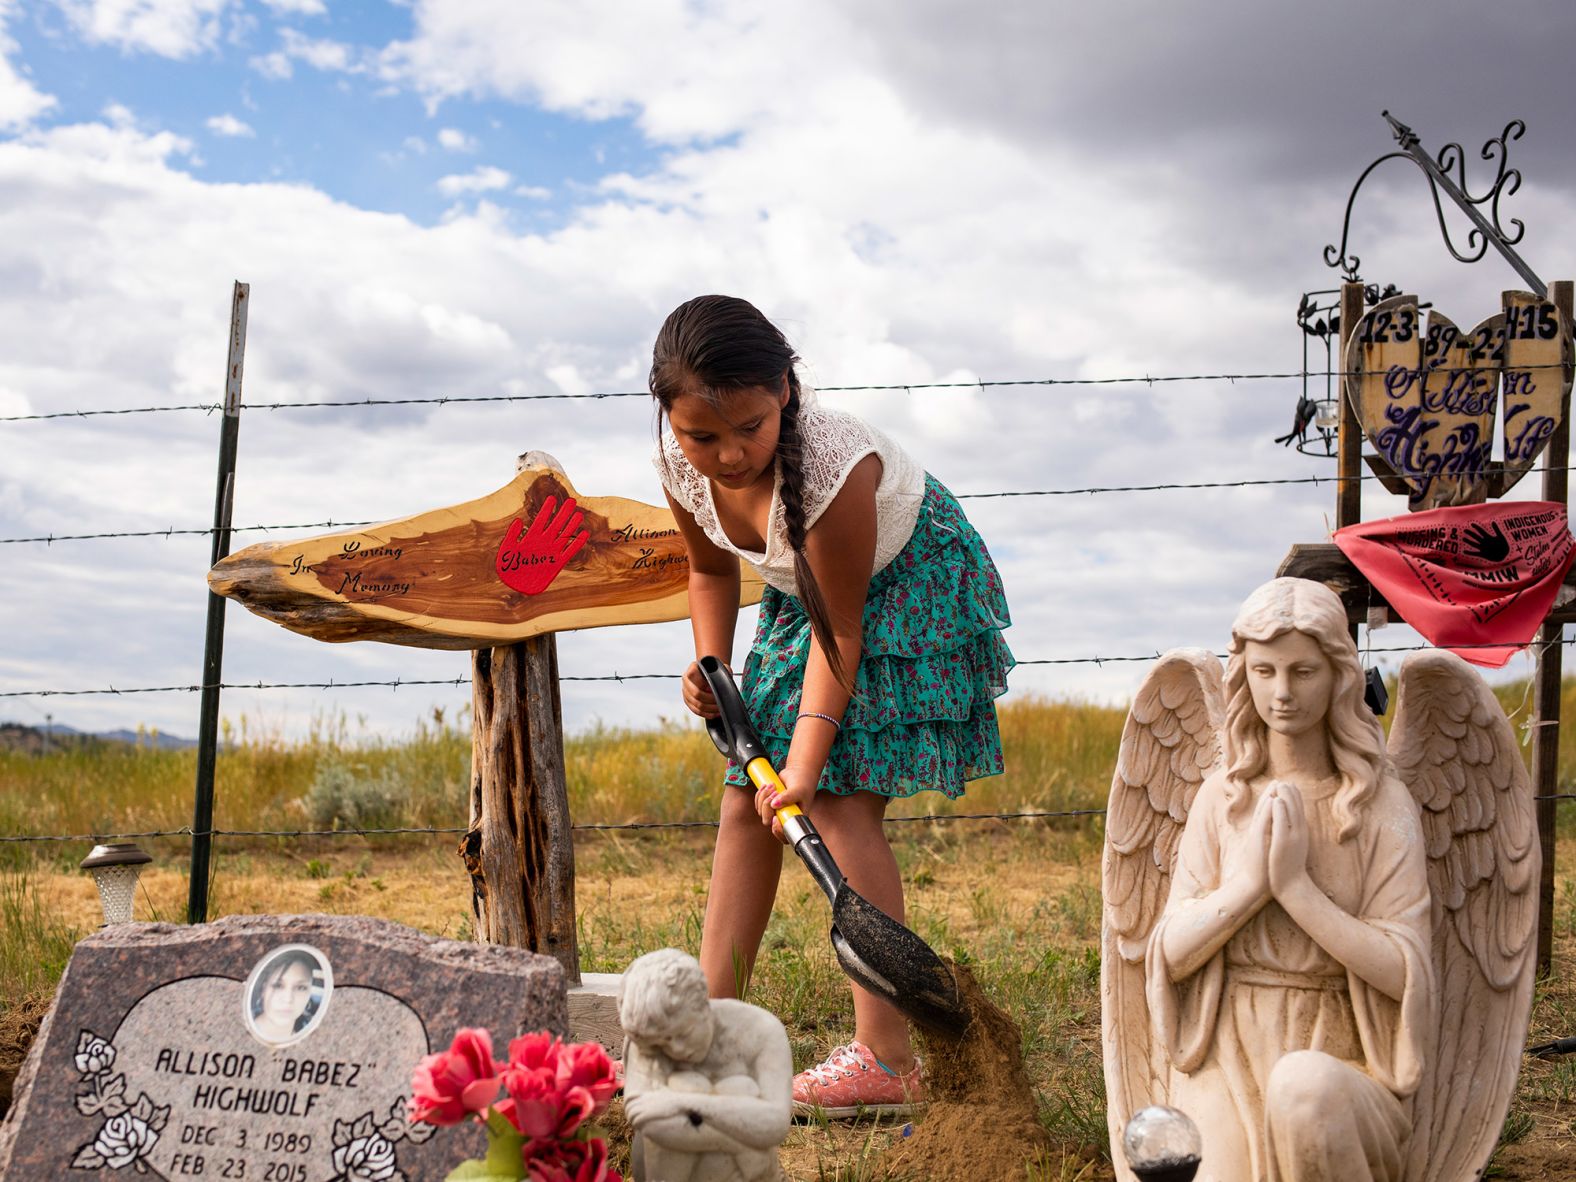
(1162, 1144)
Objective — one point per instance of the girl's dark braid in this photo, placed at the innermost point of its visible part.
(790, 462)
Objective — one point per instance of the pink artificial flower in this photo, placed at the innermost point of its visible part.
(534, 1051)
(463, 1079)
(586, 1065)
(539, 1106)
(568, 1161)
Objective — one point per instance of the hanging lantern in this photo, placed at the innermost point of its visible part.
(116, 867)
(1315, 426)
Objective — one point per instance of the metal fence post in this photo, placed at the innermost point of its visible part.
(213, 649)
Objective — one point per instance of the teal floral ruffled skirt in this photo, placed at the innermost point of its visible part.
(923, 714)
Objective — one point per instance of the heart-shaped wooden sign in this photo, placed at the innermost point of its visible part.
(1427, 394)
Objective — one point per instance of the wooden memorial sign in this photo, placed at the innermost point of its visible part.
(499, 576)
(1427, 397)
(532, 558)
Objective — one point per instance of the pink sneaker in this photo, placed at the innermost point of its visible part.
(852, 1082)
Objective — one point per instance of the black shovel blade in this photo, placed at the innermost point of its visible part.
(891, 961)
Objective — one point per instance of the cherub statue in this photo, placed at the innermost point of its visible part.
(708, 1084)
(1321, 950)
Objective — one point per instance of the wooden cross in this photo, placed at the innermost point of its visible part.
(499, 575)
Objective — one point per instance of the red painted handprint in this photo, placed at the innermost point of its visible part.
(529, 561)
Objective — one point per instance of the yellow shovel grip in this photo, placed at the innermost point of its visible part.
(762, 774)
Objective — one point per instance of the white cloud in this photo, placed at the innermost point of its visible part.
(534, 192)
(319, 53)
(484, 179)
(13, 402)
(229, 126)
(274, 66)
(456, 140)
(896, 238)
(168, 28)
(568, 379)
(681, 70)
(297, 7)
(20, 101)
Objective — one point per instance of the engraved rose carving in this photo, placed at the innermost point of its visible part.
(131, 1129)
(124, 1139)
(400, 1127)
(366, 1159)
(94, 1054)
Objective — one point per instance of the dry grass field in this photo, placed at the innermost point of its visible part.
(1016, 900)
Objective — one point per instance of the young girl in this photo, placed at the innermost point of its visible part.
(876, 659)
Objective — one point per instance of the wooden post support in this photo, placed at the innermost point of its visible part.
(1546, 717)
(519, 850)
(1349, 496)
(1349, 433)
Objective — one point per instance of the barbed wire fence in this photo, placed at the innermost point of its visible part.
(586, 827)
(52, 538)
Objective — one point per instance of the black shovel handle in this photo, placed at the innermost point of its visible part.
(736, 738)
(730, 730)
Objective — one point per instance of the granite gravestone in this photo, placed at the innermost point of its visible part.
(261, 1049)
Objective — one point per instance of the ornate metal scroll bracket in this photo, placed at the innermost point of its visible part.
(1486, 231)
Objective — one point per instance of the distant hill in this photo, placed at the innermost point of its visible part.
(17, 736)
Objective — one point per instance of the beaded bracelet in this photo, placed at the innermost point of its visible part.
(826, 717)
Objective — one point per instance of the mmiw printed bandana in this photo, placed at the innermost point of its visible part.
(1477, 579)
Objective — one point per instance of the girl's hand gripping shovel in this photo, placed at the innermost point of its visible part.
(873, 948)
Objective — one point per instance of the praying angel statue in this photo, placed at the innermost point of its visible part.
(1319, 948)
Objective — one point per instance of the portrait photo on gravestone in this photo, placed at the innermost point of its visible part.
(287, 994)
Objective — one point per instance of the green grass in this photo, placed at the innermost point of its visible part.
(34, 946)
(1059, 754)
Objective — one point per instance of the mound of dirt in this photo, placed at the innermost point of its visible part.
(18, 1025)
(982, 1120)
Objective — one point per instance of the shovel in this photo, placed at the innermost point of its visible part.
(873, 948)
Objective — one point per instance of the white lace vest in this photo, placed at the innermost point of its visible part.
(833, 443)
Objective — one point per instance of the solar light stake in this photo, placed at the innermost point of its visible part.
(1162, 1145)
(115, 867)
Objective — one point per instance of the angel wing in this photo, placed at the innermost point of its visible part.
(1454, 749)
(1170, 744)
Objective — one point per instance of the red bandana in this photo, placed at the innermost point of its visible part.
(1477, 579)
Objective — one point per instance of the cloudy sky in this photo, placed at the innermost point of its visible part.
(484, 197)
